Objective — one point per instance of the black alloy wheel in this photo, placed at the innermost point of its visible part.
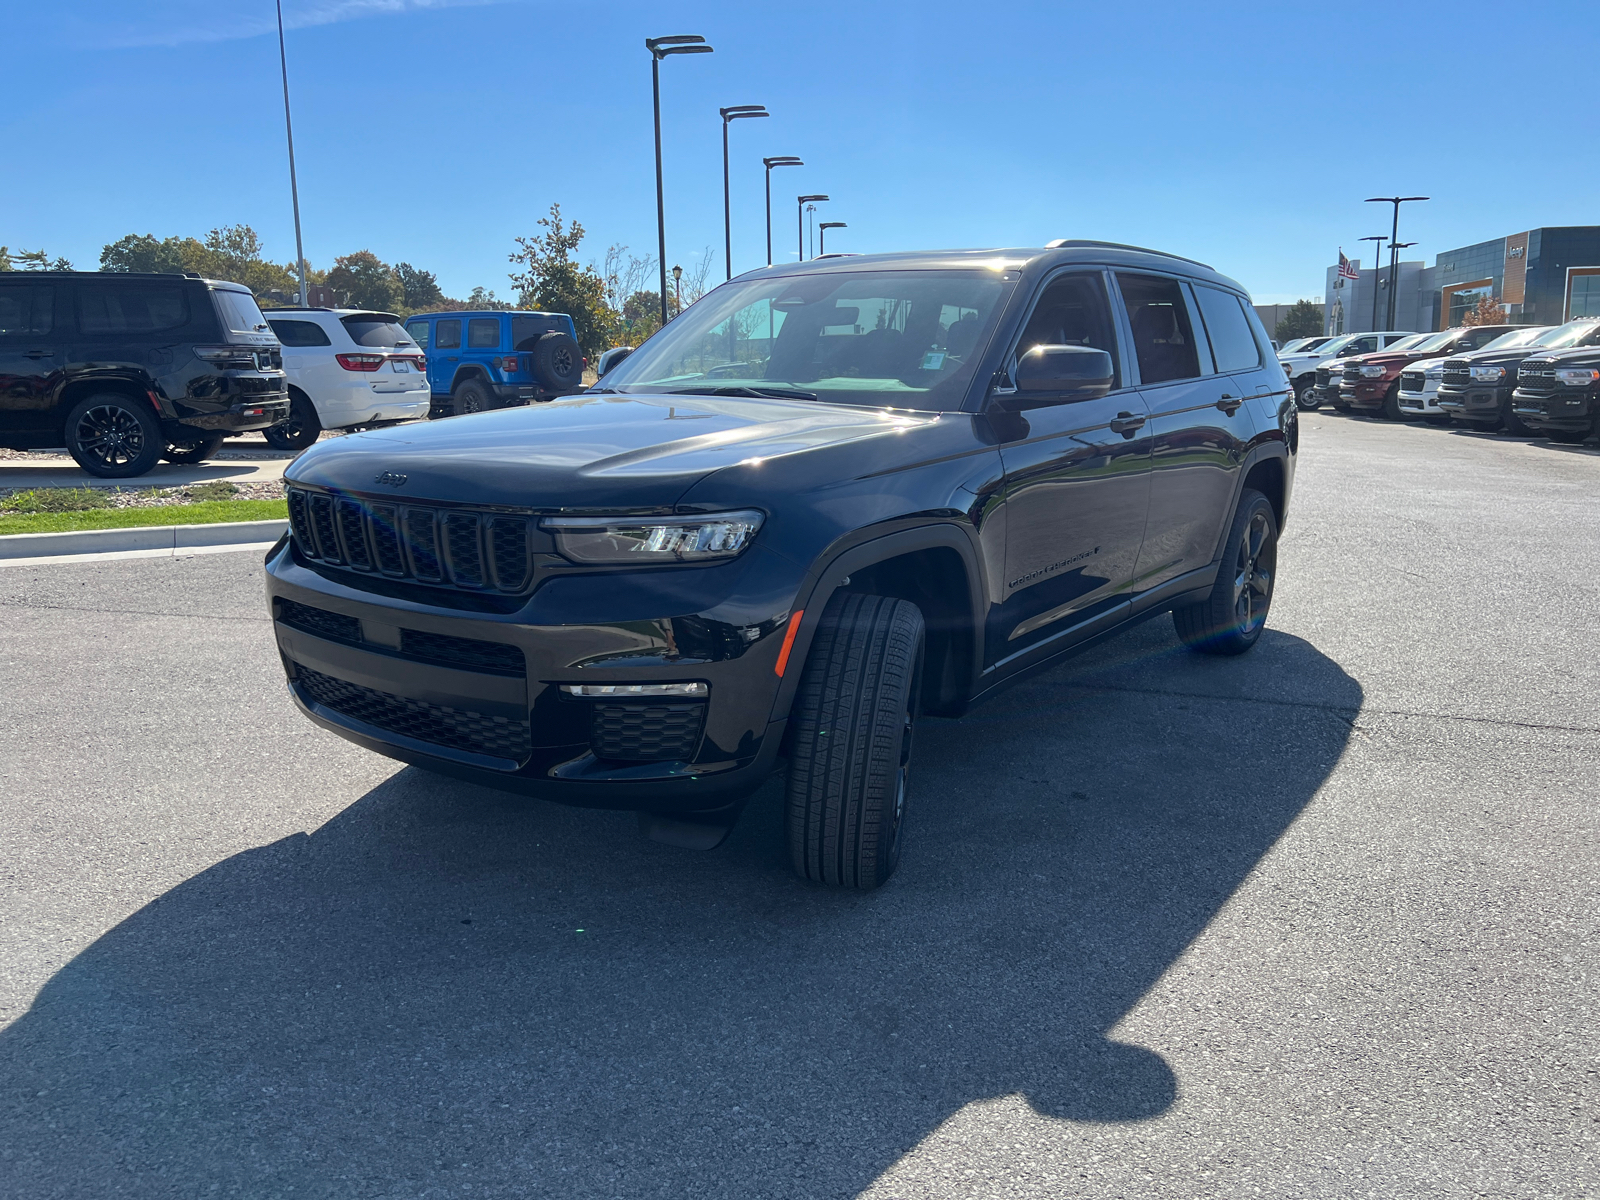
(472, 397)
(1231, 619)
(300, 429)
(114, 436)
(197, 451)
(558, 362)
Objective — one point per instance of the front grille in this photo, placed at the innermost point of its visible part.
(448, 547)
(645, 732)
(469, 654)
(1412, 381)
(1352, 375)
(1324, 377)
(436, 724)
(1456, 374)
(336, 627)
(1537, 376)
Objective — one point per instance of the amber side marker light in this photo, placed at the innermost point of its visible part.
(788, 640)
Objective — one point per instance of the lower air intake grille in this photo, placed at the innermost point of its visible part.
(457, 728)
(644, 732)
(319, 621)
(470, 653)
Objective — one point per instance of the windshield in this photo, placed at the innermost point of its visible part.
(1410, 340)
(1516, 338)
(1563, 336)
(1433, 341)
(1334, 345)
(376, 329)
(239, 311)
(881, 339)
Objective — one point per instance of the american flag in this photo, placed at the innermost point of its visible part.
(1348, 269)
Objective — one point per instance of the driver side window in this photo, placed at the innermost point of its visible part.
(1073, 311)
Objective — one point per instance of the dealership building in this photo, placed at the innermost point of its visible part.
(1543, 277)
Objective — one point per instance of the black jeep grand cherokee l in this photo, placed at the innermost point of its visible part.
(124, 369)
(825, 499)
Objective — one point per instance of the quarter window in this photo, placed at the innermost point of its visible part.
(25, 310)
(130, 308)
(300, 333)
(483, 333)
(1163, 338)
(448, 335)
(1073, 311)
(1232, 343)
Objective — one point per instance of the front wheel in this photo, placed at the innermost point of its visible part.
(1305, 398)
(852, 728)
(1511, 423)
(1570, 437)
(197, 451)
(1391, 404)
(1231, 619)
(300, 430)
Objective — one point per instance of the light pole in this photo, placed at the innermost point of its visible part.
(801, 220)
(782, 160)
(1394, 259)
(1377, 267)
(683, 43)
(822, 235)
(735, 113)
(677, 286)
(1394, 236)
(294, 187)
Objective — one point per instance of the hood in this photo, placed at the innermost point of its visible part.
(585, 452)
(1583, 356)
(1500, 358)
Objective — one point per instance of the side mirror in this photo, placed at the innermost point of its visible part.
(612, 357)
(1060, 375)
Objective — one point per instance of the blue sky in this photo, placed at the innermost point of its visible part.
(434, 131)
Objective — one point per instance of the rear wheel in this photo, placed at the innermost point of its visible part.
(1231, 619)
(301, 429)
(852, 730)
(114, 436)
(472, 397)
(197, 451)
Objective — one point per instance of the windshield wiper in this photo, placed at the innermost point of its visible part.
(744, 390)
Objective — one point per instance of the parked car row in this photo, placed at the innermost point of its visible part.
(1525, 379)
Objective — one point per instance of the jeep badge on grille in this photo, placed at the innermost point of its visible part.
(392, 479)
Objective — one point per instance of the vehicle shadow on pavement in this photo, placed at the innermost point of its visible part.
(445, 986)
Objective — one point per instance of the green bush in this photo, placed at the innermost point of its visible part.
(54, 500)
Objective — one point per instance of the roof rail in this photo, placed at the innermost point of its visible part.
(1070, 243)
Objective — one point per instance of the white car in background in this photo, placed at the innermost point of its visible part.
(347, 368)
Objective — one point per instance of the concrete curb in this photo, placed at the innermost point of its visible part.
(143, 540)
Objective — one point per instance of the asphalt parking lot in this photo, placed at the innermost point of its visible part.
(1320, 921)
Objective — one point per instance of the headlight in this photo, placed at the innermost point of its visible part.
(1433, 373)
(1577, 376)
(626, 540)
(1372, 371)
(1488, 374)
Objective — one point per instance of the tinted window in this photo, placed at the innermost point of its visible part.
(1362, 345)
(483, 333)
(419, 333)
(447, 336)
(1163, 338)
(526, 331)
(131, 308)
(300, 333)
(1072, 312)
(238, 311)
(375, 329)
(1232, 343)
(26, 309)
(1479, 338)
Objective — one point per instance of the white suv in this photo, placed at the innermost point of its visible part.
(347, 368)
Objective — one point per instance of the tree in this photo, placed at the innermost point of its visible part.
(1488, 311)
(31, 260)
(1304, 319)
(481, 299)
(419, 289)
(553, 282)
(363, 280)
(230, 252)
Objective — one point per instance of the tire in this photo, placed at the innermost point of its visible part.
(1391, 403)
(1305, 399)
(1231, 619)
(300, 430)
(197, 451)
(1344, 408)
(852, 728)
(1511, 423)
(472, 397)
(1570, 437)
(113, 436)
(557, 362)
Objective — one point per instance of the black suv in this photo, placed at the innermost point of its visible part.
(1477, 389)
(1558, 395)
(825, 499)
(127, 369)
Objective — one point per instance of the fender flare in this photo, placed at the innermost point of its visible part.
(468, 371)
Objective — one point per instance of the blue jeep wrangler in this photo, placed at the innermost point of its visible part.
(483, 360)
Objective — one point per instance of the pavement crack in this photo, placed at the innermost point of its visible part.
(131, 612)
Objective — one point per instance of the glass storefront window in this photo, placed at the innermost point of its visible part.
(1585, 301)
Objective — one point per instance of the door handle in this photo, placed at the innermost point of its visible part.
(1229, 404)
(38, 354)
(1126, 423)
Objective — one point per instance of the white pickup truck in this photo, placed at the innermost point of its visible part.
(1301, 365)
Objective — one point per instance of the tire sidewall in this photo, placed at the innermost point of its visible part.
(472, 397)
(154, 446)
(547, 353)
(304, 413)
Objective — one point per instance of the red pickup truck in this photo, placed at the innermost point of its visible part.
(1372, 381)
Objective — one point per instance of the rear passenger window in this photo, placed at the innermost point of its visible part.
(1163, 338)
(131, 308)
(419, 333)
(1232, 343)
(483, 333)
(300, 333)
(26, 309)
(448, 335)
(1072, 312)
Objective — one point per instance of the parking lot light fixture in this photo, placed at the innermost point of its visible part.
(781, 160)
(735, 113)
(1377, 266)
(822, 235)
(1394, 236)
(805, 200)
(661, 47)
(294, 187)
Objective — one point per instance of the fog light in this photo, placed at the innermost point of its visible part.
(618, 691)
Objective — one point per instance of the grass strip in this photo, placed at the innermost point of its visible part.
(205, 513)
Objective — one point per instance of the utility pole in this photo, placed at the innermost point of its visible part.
(294, 186)
(661, 47)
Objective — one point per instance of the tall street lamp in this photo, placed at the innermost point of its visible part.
(1394, 236)
(782, 160)
(661, 47)
(1377, 266)
(822, 235)
(1394, 258)
(294, 187)
(735, 113)
(801, 218)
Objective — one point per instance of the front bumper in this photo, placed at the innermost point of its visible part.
(1475, 405)
(398, 674)
(1369, 393)
(1557, 410)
